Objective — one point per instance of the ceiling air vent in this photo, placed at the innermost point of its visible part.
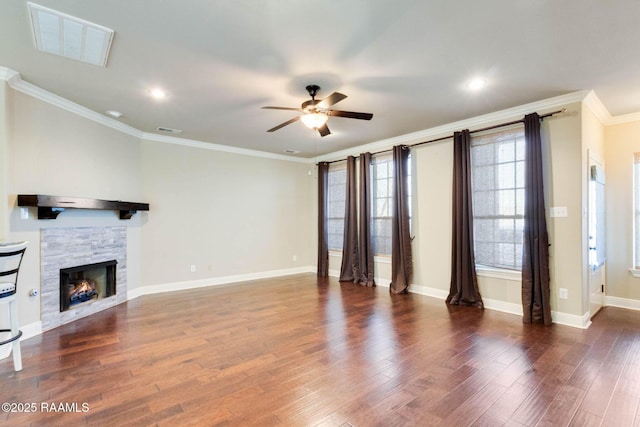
(290, 151)
(65, 35)
(168, 130)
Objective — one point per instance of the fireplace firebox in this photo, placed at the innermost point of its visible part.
(85, 283)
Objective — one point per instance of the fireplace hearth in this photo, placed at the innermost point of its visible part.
(85, 283)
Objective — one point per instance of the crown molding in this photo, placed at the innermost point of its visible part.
(147, 136)
(588, 98)
(508, 114)
(596, 106)
(15, 82)
(9, 75)
(625, 118)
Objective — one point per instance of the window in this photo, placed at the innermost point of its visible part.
(382, 184)
(636, 208)
(497, 161)
(336, 194)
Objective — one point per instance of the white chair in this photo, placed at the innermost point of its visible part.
(10, 260)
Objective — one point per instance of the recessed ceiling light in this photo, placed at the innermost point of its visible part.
(477, 83)
(68, 36)
(158, 93)
(114, 113)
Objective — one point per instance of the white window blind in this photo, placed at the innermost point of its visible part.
(382, 187)
(497, 161)
(336, 205)
(382, 199)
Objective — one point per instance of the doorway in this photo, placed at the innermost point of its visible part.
(597, 234)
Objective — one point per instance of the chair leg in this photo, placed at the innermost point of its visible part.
(13, 318)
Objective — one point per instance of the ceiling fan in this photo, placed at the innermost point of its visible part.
(315, 112)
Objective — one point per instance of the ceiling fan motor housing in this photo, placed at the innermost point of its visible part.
(313, 90)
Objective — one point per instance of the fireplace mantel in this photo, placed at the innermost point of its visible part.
(49, 207)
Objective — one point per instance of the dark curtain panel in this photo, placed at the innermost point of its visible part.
(535, 251)
(323, 248)
(401, 260)
(464, 283)
(350, 271)
(366, 251)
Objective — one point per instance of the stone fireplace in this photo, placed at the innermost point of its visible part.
(96, 255)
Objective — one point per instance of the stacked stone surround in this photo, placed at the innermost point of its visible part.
(71, 247)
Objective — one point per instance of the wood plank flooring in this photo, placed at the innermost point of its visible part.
(302, 351)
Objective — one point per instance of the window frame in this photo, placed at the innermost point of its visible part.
(512, 210)
(336, 168)
(387, 160)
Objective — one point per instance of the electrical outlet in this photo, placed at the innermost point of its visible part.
(24, 213)
(564, 293)
(193, 268)
(295, 258)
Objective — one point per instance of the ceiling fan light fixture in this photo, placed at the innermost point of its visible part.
(314, 120)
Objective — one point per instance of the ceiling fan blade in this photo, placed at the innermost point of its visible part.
(281, 125)
(334, 98)
(324, 130)
(280, 108)
(350, 114)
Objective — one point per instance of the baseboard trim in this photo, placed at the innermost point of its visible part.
(28, 331)
(31, 330)
(215, 281)
(582, 322)
(503, 306)
(573, 320)
(429, 292)
(630, 304)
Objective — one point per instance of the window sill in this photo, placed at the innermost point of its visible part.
(378, 259)
(634, 272)
(382, 259)
(498, 273)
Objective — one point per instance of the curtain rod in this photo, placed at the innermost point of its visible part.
(501, 125)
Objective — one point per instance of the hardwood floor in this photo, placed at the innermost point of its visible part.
(299, 351)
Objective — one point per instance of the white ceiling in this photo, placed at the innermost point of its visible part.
(405, 61)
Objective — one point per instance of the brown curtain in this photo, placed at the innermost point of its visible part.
(349, 270)
(323, 247)
(401, 260)
(535, 251)
(366, 251)
(464, 283)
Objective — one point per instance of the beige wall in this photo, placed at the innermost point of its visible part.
(52, 151)
(623, 141)
(562, 151)
(227, 214)
(562, 141)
